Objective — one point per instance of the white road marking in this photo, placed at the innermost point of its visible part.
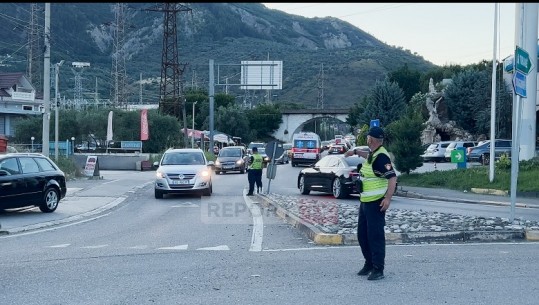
(180, 247)
(60, 246)
(94, 247)
(217, 248)
(258, 223)
(141, 247)
(110, 181)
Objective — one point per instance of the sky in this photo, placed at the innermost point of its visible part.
(442, 33)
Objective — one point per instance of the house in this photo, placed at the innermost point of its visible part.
(17, 100)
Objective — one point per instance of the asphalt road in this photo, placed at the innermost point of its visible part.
(226, 250)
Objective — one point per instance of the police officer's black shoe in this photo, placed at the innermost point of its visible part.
(250, 194)
(365, 270)
(376, 274)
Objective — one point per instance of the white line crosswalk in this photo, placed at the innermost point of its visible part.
(144, 247)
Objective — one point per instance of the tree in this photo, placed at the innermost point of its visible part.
(468, 100)
(408, 81)
(265, 119)
(232, 120)
(404, 142)
(386, 103)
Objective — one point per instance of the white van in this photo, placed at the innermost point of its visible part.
(306, 148)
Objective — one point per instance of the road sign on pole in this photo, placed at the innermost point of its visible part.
(519, 83)
(375, 123)
(522, 61)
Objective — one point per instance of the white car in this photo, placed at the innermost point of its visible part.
(436, 151)
(456, 145)
(184, 170)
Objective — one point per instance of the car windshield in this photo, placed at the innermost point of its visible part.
(452, 145)
(433, 146)
(230, 153)
(262, 151)
(183, 158)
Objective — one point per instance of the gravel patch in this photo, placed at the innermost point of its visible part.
(341, 218)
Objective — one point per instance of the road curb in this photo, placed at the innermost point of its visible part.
(489, 191)
(409, 194)
(321, 238)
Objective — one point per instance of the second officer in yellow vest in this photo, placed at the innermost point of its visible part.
(379, 182)
(254, 172)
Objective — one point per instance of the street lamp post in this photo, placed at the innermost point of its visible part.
(56, 72)
(193, 130)
(73, 145)
(32, 139)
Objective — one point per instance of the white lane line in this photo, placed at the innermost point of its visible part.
(258, 223)
(59, 246)
(94, 247)
(110, 181)
(141, 247)
(180, 247)
(217, 248)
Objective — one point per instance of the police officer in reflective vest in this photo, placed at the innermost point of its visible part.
(379, 183)
(254, 172)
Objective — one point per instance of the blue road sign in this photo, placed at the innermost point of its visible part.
(519, 83)
(375, 123)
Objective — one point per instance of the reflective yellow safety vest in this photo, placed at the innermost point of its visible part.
(257, 162)
(374, 187)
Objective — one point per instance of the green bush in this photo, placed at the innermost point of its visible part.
(504, 162)
(69, 167)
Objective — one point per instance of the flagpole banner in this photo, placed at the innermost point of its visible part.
(109, 127)
(144, 132)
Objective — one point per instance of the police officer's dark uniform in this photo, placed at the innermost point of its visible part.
(376, 173)
(254, 173)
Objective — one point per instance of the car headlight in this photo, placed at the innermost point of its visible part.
(205, 173)
(217, 162)
(160, 174)
(266, 158)
(239, 162)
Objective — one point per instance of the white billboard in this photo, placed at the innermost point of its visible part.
(262, 75)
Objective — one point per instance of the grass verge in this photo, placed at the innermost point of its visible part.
(476, 177)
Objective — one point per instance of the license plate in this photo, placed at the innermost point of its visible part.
(180, 182)
(298, 155)
(228, 166)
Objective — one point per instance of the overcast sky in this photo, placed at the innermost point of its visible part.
(443, 33)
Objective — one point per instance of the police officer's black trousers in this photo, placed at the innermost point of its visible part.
(370, 233)
(254, 176)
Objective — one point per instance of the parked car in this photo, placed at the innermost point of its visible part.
(435, 151)
(30, 179)
(481, 153)
(284, 157)
(334, 174)
(456, 145)
(337, 149)
(183, 170)
(231, 159)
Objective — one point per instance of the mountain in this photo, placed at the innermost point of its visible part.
(349, 59)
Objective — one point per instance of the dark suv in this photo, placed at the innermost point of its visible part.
(231, 158)
(29, 179)
(481, 153)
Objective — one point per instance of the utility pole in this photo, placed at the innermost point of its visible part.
(320, 104)
(171, 88)
(119, 74)
(140, 90)
(56, 106)
(34, 48)
(47, 81)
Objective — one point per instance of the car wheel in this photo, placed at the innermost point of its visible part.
(208, 191)
(242, 171)
(485, 159)
(158, 194)
(303, 189)
(50, 200)
(338, 189)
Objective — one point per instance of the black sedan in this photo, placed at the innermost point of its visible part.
(335, 174)
(28, 179)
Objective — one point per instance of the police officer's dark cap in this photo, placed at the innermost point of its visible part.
(376, 132)
(255, 148)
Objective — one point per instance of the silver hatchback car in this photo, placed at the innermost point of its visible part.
(183, 170)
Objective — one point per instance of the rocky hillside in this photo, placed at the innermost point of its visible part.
(228, 33)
